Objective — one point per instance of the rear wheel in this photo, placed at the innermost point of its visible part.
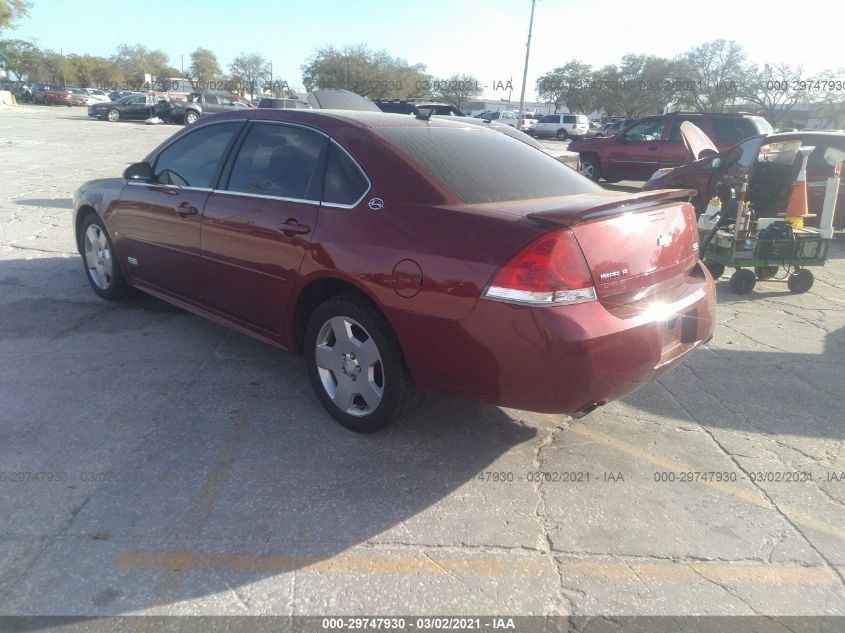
(101, 267)
(800, 282)
(356, 365)
(590, 167)
(766, 272)
(562, 135)
(743, 281)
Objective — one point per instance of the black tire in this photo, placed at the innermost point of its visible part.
(397, 387)
(743, 281)
(115, 286)
(590, 167)
(800, 282)
(113, 115)
(766, 272)
(716, 269)
(191, 117)
(562, 135)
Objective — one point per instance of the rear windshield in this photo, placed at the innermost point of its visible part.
(483, 166)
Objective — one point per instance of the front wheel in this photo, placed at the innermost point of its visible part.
(113, 115)
(801, 281)
(101, 267)
(562, 135)
(191, 118)
(743, 281)
(356, 365)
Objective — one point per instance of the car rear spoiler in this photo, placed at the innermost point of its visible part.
(594, 206)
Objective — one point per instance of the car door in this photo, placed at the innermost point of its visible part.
(636, 154)
(210, 104)
(820, 165)
(136, 108)
(673, 152)
(159, 222)
(548, 125)
(258, 224)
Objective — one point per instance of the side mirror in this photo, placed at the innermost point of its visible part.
(139, 172)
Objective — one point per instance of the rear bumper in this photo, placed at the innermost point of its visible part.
(562, 359)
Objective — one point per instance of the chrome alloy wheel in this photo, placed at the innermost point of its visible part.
(98, 257)
(349, 365)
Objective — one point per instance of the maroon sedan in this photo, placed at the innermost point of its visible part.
(398, 254)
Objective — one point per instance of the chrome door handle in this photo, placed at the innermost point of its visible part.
(292, 227)
(185, 209)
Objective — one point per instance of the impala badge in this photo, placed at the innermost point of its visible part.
(375, 204)
(664, 240)
(132, 260)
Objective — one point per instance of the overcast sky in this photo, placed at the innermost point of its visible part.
(485, 38)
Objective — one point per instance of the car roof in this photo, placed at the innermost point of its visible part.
(355, 117)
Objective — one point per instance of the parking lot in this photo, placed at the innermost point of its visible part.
(152, 462)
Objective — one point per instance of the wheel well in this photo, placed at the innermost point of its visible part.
(316, 293)
(81, 214)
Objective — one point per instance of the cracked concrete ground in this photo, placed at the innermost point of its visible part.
(178, 468)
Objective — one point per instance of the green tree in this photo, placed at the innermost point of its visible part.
(134, 61)
(718, 72)
(250, 70)
(204, 66)
(569, 84)
(458, 90)
(19, 57)
(372, 74)
(771, 88)
(11, 11)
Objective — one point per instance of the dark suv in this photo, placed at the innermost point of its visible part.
(655, 142)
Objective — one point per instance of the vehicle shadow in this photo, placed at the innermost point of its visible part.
(55, 203)
(200, 460)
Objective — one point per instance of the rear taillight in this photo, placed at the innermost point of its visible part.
(549, 271)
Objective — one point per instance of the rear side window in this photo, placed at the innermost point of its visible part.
(733, 130)
(193, 160)
(277, 160)
(569, 118)
(345, 184)
(482, 166)
(396, 108)
(549, 118)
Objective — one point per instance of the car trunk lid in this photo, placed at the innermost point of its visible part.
(635, 246)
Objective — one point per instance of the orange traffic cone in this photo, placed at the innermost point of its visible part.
(797, 209)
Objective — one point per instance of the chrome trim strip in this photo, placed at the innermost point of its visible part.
(155, 184)
(265, 197)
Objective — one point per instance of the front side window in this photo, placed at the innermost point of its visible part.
(345, 184)
(211, 99)
(648, 131)
(277, 160)
(193, 160)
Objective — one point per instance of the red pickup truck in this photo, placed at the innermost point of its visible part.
(655, 142)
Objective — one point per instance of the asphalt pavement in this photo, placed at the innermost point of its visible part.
(152, 462)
